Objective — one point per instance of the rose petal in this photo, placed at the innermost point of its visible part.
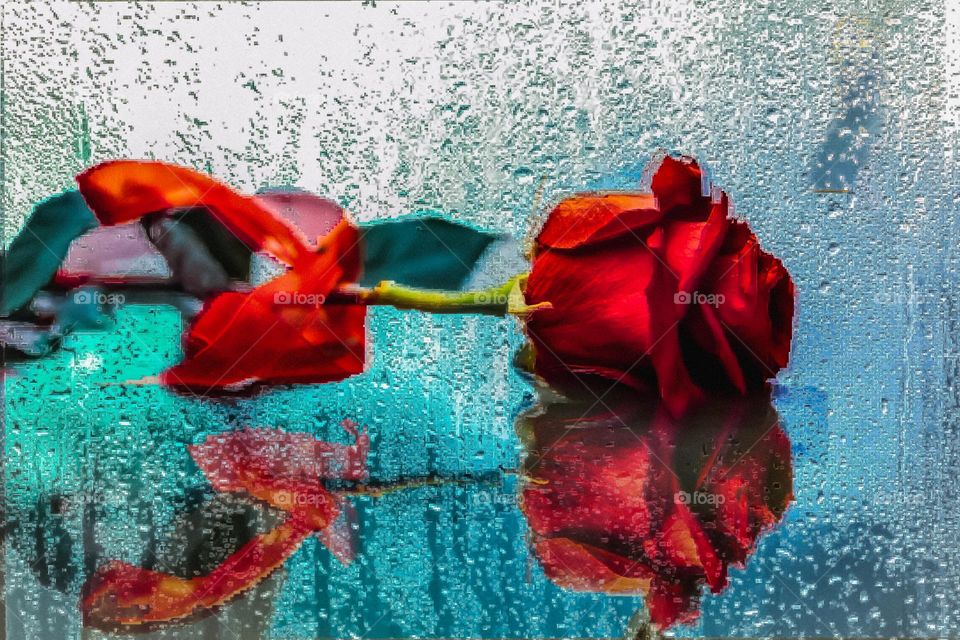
(685, 544)
(758, 299)
(592, 218)
(583, 567)
(677, 185)
(711, 338)
(282, 454)
(281, 332)
(283, 469)
(125, 190)
(670, 602)
(690, 247)
(119, 594)
(610, 321)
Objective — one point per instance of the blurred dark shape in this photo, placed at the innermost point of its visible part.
(855, 128)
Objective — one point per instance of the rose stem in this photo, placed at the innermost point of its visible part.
(500, 300)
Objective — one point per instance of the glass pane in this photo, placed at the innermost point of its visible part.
(825, 505)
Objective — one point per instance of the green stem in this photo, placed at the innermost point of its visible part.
(500, 300)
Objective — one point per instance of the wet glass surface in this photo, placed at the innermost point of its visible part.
(831, 125)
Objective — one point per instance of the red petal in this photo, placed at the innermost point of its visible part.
(677, 389)
(677, 185)
(685, 544)
(283, 469)
(281, 332)
(601, 314)
(283, 454)
(125, 190)
(582, 567)
(590, 218)
(782, 299)
(758, 301)
(755, 490)
(690, 247)
(709, 334)
(253, 562)
(121, 594)
(323, 345)
(671, 602)
(734, 517)
(592, 481)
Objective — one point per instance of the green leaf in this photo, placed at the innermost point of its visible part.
(36, 253)
(426, 252)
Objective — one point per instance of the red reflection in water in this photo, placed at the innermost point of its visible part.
(631, 501)
(284, 470)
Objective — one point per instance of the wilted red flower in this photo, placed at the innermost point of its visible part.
(659, 291)
(635, 502)
(285, 470)
(280, 332)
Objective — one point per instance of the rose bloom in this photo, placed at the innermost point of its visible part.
(635, 502)
(659, 291)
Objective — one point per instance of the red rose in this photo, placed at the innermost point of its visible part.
(658, 291)
(632, 501)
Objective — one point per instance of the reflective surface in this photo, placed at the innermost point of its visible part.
(472, 110)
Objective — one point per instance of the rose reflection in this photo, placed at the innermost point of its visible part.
(286, 471)
(623, 499)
